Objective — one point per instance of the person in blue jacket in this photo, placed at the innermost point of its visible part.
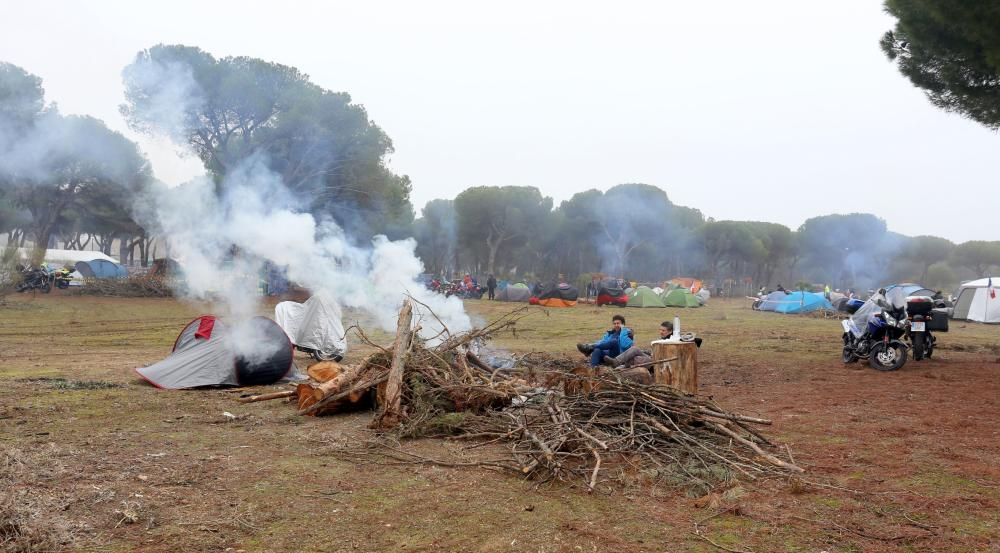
(614, 341)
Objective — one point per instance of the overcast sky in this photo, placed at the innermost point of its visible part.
(775, 111)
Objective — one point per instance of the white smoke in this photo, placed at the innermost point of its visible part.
(259, 217)
(252, 211)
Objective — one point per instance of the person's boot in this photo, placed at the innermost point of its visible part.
(585, 349)
(609, 361)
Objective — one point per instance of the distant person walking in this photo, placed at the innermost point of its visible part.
(491, 286)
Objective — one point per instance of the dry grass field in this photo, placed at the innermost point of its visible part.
(93, 459)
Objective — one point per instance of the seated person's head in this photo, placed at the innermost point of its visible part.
(666, 329)
(617, 322)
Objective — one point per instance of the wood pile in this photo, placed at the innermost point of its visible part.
(557, 420)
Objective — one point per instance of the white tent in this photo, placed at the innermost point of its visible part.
(315, 324)
(976, 303)
(66, 257)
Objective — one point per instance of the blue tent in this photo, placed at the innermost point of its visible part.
(101, 268)
(795, 302)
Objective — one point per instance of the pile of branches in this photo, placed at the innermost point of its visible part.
(557, 422)
(570, 436)
(135, 286)
(412, 383)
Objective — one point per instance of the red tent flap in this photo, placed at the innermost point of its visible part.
(205, 328)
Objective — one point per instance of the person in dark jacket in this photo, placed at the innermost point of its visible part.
(614, 341)
(491, 286)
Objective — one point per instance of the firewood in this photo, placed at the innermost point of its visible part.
(391, 412)
(324, 370)
(347, 375)
(266, 397)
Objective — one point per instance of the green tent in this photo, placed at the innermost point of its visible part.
(679, 297)
(644, 296)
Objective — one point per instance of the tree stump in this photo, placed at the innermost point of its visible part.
(681, 373)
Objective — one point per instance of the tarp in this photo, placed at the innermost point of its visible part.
(691, 284)
(101, 268)
(976, 303)
(316, 324)
(253, 352)
(556, 295)
(795, 302)
(611, 292)
(643, 296)
(514, 292)
(680, 297)
(67, 258)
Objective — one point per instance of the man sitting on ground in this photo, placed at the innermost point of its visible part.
(635, 355)
(613, 343)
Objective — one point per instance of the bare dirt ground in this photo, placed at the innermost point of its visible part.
(93, 459)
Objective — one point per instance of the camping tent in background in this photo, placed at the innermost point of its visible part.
(977, 303)
(514, 292)
(795, 302)
(209, 352)
(609, 292)
(657, 290)
(897, 293)
(65, 258)
(703, 296)
(691, 284)
(553, 295)
(643, 296)
(101, 268)
(316, 324)
(680, 297)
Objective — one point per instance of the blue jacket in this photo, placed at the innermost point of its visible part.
(624, 340)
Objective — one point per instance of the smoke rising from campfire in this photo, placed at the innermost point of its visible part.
(256, 217)
(224, 233)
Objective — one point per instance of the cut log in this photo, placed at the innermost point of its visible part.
(341, 381)
(324, 370)
(391, 412)
(681, 373)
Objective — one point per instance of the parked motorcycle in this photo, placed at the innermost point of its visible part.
(35, 278)
(924, 318)
(879, 336)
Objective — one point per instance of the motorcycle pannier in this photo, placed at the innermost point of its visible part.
(938, 321)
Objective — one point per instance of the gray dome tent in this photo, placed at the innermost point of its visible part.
(209, 352)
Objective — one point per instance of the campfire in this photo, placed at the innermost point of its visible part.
(557, 419)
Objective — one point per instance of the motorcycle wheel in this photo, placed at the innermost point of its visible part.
(46, 287)
(326, 355)
(847, 356)
(886, 358)
(930, 347)
(918, 345)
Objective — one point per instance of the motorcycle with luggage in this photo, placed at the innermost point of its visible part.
(876, 332)
(924, 317)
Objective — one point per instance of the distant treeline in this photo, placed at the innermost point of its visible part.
(69, 181)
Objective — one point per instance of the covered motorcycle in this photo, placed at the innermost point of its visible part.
(875, 332)
(314, 327)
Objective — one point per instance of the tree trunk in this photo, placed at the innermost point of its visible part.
(391, 412)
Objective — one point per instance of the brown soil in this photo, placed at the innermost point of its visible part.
(901, 461)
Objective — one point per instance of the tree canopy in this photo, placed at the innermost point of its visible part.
(57, 167)
(951, 50)
(228, 110)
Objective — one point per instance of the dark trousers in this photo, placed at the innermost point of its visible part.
(597, 356)
(491, 290)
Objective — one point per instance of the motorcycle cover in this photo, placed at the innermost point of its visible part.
(315, 324)
(864, 314)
